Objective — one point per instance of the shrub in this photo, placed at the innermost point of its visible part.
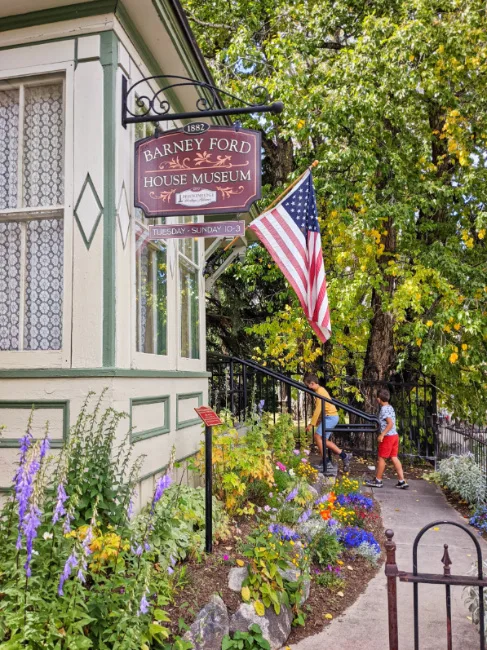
(281, 439)
(246, 640)
(369, 551)
(325, 548)
(462, 475)
(240, 463)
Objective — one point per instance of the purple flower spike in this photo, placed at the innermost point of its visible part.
(44, 447)
(162, 484)
(59, 510)
(144, 605)
(170, 570)
(31, 523)
(71, 563)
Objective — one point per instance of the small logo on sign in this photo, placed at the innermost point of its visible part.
(195, 199)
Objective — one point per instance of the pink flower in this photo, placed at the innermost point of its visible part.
(306, 451)
(304, 460)
(281, 467)
(296, 452)
(267, 508)
(226, 558)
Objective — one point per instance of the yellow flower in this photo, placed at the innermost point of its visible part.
(429, 323)
(481, 233)
(464, 346)
(453, 357)
(418, 342)
(457, 326)
(447, 329)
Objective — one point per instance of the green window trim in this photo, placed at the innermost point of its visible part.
(14, 443)
(41, 373)
(183, 424)
(136, 436)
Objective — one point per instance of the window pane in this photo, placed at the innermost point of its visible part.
(151, 302)
(43, 182)
(44, 285)
(10, 242)
(190, 348)
(189, 246)
(9, 139)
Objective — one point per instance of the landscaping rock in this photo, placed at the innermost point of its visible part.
(210, 626)
(291, 574)
(236, 577)
(313, 491)
(275, 628)
(306, 590)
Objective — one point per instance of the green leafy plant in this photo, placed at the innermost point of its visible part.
(325, 549)
(246, 640)
(269, 582)
(330, 580)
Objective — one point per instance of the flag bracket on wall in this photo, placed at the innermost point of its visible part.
(141, 103)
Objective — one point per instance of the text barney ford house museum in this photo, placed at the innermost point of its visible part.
(217, 171)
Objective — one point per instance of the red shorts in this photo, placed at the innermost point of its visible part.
(389, 447)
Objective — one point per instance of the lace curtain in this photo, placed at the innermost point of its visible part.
(31, 251)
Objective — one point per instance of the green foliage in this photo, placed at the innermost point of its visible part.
(282, 442)
(462, 475)
(325, 549)
(121, 561)
(389, 97)
(330, 580)
(246, 640)
(268, 559)
(239, 464)
(96, 468)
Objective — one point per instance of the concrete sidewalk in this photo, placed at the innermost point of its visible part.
(364, 625)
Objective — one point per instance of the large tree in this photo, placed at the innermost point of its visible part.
(390, 96)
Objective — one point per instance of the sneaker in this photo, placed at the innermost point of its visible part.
(346, 462)
(374, 484)
(402, 485)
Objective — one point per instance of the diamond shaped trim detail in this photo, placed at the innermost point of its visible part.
(123, 214)
(88, 211)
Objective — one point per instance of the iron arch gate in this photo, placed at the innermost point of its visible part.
(392, 572)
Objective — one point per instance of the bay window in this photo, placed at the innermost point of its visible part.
(31, 213)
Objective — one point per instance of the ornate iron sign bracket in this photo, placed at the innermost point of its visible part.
(154, 107)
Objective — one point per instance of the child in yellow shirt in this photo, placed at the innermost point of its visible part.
(331, 420)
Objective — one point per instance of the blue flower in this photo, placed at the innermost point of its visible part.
(144, 605)
(356, 499)
(285, 533)
(352, 537)
(305, 516)
(71, 563)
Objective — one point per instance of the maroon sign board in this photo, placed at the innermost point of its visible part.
(210, 172)
(213, 229)
(208, 415)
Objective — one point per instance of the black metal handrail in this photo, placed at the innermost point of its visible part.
(238, 391)
(373, 419)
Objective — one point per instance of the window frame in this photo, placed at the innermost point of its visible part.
(190, 363)
(26, 76)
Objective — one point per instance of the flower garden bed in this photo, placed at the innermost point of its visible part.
(79, 570)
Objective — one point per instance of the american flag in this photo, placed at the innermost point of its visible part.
(291, 233)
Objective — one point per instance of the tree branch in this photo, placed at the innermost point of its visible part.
(205, 24)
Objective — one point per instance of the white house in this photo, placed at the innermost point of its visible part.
(84, 304)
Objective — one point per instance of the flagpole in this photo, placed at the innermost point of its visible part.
(276, 201)
(289, 187)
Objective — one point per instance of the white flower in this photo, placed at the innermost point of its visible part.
(34, 552)
(291, 472)
(47, 535)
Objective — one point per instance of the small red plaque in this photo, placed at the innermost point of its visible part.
(208, 415)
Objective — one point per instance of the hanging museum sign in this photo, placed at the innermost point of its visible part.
(182, 172)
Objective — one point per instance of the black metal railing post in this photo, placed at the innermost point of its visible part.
(208, 489)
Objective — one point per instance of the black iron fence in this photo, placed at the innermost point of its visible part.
(460, 438)
(416, 578)
(240, 386)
